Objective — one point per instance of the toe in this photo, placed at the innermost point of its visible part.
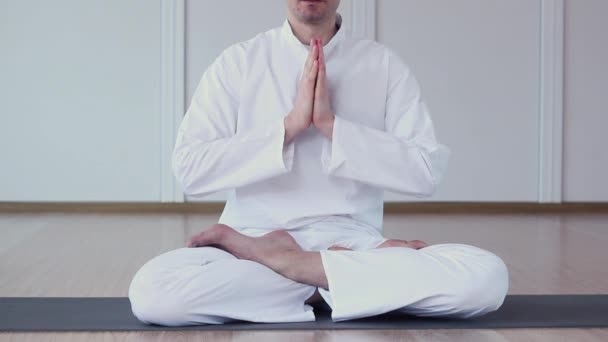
(202, 239)
(417, 244)
(339, 248)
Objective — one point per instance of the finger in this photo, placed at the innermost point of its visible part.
(321, 74)
(321, 57)
(312, 55)
(312, 74)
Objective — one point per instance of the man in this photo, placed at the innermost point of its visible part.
(307, 125)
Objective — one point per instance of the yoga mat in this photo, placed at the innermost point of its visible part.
(114, 314)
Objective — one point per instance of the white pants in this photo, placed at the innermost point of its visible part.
(207, 285)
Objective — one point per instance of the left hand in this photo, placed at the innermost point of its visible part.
(323, 116)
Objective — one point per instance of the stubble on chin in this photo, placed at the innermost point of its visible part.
(310, 16)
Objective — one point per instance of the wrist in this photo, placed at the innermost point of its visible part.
(327, 127)
(291, 128)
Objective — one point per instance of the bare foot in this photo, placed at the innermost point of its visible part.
(267, 249)
(273, 249)
(415, 244)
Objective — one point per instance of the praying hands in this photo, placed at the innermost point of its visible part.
(312, 101)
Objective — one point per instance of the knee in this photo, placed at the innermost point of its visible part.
(485, 290)
(158, 310)
(151, 305)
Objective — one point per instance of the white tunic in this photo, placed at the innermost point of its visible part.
(323, 191)
(232, 135)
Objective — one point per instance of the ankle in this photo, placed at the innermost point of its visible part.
(280, 261)
(288, 263)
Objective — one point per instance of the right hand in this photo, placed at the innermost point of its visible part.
(300, 116)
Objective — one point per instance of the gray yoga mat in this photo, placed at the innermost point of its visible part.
(114, 314)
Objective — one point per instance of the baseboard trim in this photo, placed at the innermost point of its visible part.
(389, 207)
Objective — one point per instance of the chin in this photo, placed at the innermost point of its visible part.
(311, 16)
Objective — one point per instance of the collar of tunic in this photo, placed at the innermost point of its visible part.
(287, 33)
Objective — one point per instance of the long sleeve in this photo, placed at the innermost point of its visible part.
(405, 157)
(209, 155)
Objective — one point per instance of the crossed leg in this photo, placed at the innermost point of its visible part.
(207, 285)
(279, 251)
(271, 279)
(456, 280)
(416, 244)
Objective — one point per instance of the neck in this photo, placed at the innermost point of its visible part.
(305, 31)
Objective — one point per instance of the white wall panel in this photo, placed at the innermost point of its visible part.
(478, 65)
(79, 100)
(586, 110)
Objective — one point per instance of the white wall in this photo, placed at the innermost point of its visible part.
(480, 75)
(79, 100)
(586, 109)
(82, 116)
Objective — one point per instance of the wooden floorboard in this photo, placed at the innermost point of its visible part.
(58, 253)
(389, 207)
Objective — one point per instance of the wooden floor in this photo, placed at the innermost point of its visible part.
(67, 254)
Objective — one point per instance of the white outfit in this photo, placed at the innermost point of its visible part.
(322, 191)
